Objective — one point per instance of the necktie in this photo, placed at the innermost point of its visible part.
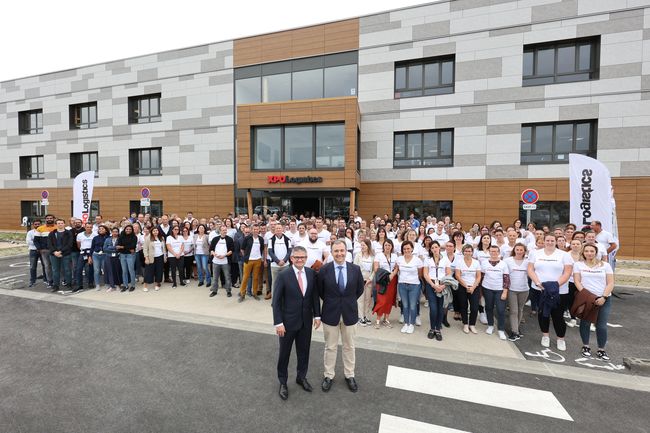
(340, 280)
(302, 286)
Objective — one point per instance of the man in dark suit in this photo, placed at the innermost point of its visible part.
(339, 284)
(295, 306)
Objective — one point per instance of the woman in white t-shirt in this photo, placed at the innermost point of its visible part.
(495, 282)
(551, 265)
(188, 254)
(575, 252)
(468, 274)
(386, 260)
(378, 243)
(436, 266)
(518, 293)
(201, 252)
(175, 254)
(408, 269)
(597, 277)
(365, 259)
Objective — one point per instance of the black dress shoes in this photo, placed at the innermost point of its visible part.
(327, 384)
(305, 385)
(352, 384)
(284, 392)
(212, 294)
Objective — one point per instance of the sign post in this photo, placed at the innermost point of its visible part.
(45, 201)
(145, 201)
(529, 197)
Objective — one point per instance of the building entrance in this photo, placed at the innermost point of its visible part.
(328, 204)
(305, 206)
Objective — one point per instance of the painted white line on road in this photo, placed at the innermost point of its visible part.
(12, 277)
(395, 424)
(19, 265)
(477, 391)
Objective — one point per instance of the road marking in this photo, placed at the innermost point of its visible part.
(19, 265)
(11, 277)
(477, 391)
(395, 424)
(614, 325)
(546, 354)
(605, 365)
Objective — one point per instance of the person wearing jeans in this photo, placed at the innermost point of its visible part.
(98, 256)
(436, 266)
(59, 244)
(408, 269)
(495, 282)
(84, 242)
(34, 255)
(126, 245)
(201, 251)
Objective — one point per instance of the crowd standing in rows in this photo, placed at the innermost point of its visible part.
(474, 273)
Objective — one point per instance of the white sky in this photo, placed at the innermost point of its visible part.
(40, 36)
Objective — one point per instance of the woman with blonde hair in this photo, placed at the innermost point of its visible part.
(365, 260)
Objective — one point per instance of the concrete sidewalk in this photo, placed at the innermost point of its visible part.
(192, 299)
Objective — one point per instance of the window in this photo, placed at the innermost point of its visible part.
(145, 162)
(316, 77)
(433, 148)
(424, 77)
(423, 208)
(30, 122)
(298, 147)
(32, 209)
(550, 213)
(144, 109)
(32, 167)
(83, 116)
(561, 62)
(94, 209)
(548, 143)
(156, 208)
(80, 162)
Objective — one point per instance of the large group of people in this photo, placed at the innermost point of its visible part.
(486, 273)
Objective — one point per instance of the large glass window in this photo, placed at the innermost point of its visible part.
(298, 147)
(423, 208)
(316, 77)
(433, 76)
(32, 167)
(548, 143)
(32, 210)
(145, 162)
(83, 116)
(144, 109)
(80, 162)
(561, 62)
(433, 148)
(30, 122)
(156, 208)
(550, 213)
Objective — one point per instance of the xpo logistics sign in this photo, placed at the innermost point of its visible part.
(291, 179)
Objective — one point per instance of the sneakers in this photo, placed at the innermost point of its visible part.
(561, 345)
(401, 318)
(404, 328)
(602, 355)
(592, 327)
(566, 315)
(514, 337)
(546, 341)
(482, 317)
(489, 330)
(473, 330)
(431, 334)
(586, 352)
(156, 288)
(418, 322)
(361, 322)
(145, 289)
(572, 323)
(410, 329)
(502, 335)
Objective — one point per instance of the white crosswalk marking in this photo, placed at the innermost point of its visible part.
(395, 424)
(477, 391)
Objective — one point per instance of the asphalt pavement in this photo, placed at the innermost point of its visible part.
(66, 368)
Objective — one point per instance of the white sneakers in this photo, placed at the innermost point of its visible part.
(572, 323)
(157, 288)
(482, 317)
(410, 329)
(546, 341)
(144, 289)
(418, 322)
(561, 345)
(404, 328)
(502, 335)
(489, 330)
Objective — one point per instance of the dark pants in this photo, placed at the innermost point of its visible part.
(436, 312)
(234, 272)
(557, 315)
(464, 298)
(188, 262)
(34, 256)
(176, 264)
(492, 299)
(572, 297)
(302, 337)
(153, 272)
(59, 265)
(113, 271)
(82, 264)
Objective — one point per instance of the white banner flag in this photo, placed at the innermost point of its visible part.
(82, 194)
(590, 188)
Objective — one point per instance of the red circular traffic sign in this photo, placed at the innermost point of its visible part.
(146, 192)
(529, 196)
(45, 194)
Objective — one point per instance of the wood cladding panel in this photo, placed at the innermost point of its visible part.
(303, 42)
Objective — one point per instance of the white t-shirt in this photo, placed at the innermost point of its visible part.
(493, 275)
(174, 245)
(330, 257)
(468, 273)
(199, 245)
(188, 246)
(408, 272)
(314, 251)
(439, 271)
(604, 238)
(365, 263)
(157, 248)
(518, 274)
(256, 250)
(442, 238)
(602, 251)
(280, 249)
(221, 249)
(376, 247)
(140, 243)
(593, 279)
(384, 263)
(86, 241)
(324, 236)
(481, 256)
(551, 267)
(267, 238)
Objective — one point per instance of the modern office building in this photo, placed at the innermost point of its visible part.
(451, 108)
